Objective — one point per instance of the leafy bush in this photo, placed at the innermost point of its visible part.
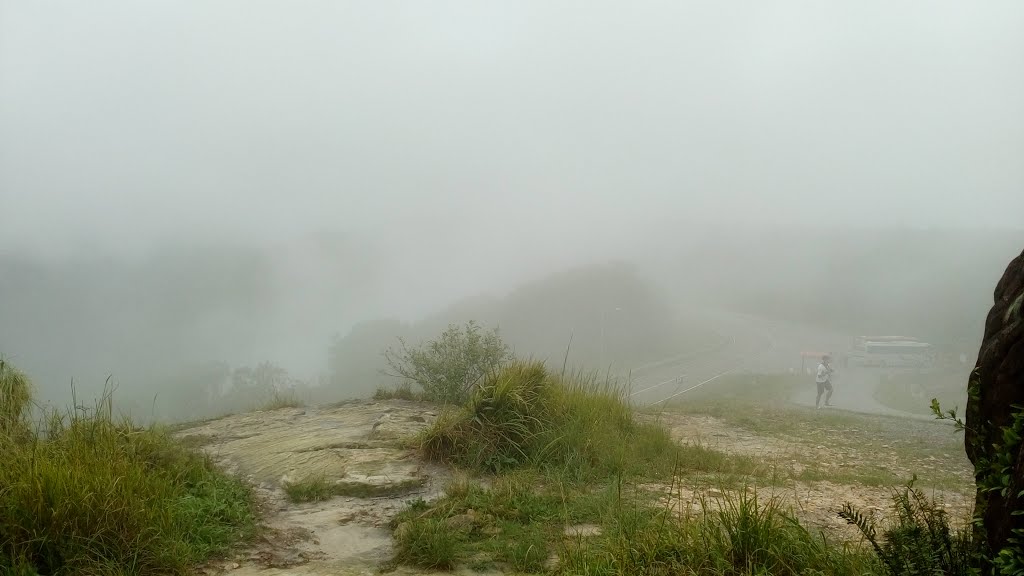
(448, 368)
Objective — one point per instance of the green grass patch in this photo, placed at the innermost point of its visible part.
(88, 494)
(309, 489)
(525, 519)
(515, 523)
(319, 488)
(742, 535)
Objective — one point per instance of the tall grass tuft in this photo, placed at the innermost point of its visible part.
(520, 415)
(282, 399)
(89, 494)
(15, 399)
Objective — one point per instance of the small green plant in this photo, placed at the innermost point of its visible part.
(449, 367)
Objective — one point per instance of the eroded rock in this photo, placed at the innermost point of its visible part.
(996, 390)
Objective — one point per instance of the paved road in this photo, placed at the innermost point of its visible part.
(751, 344)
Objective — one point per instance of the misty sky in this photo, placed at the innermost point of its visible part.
(128, 123)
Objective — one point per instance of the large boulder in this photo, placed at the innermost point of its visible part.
(996, 395)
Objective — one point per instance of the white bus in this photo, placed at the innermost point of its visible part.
(890, 352)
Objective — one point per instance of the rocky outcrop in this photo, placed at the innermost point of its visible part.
(995, 401)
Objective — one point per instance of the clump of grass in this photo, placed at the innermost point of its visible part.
(528, 551)
(522, 416)
(429, 543)
(319, 488)
(282, 400)
(312, 489)
(15, 398)
(88, 494)
(698, 458)
(403, 391)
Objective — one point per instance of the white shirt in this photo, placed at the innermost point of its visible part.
(823, 373)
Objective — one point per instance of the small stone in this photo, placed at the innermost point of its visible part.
(552, 562)
(460, 522)
(583, 530)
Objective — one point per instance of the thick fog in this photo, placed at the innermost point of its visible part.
(187, 185)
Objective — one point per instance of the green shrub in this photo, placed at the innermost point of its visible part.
(448, 368)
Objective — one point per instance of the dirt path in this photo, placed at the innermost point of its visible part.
(360, 444)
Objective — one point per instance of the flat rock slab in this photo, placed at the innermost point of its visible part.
(353, 443)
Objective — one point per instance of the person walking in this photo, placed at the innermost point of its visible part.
(824, 380)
